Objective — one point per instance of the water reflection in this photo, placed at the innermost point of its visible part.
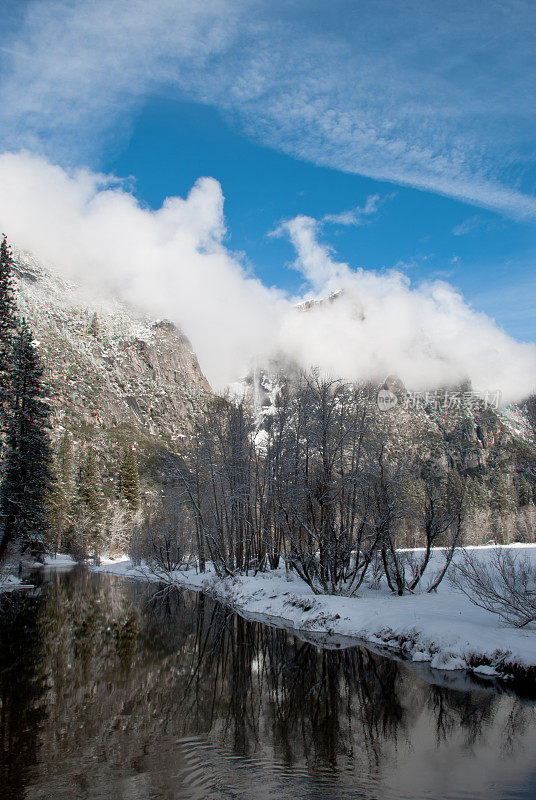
(108, 690)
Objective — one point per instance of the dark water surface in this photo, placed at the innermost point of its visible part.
(112, 690)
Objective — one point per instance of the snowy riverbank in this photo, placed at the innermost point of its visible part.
(10, 580)
(9, 583)
(443, 628)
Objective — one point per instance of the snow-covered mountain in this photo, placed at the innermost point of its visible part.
(489, 437)
(113, 373)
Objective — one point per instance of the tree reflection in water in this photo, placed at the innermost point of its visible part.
(22, 692)
(110, 688)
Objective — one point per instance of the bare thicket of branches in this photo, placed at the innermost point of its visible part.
(504, 585)
(219, 484)
(322, 487)
(324, 501)
(162, 540)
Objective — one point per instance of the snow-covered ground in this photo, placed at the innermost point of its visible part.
(61, 560)
(9, 582)
(443, 628)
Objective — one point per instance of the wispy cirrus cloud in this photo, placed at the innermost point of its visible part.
(442, 99)
(360, 215)
(470, 224)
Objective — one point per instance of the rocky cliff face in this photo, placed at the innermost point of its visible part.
(109, 368)
(486, 437)
(116, 375)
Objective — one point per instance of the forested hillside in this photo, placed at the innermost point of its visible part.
(123, 391)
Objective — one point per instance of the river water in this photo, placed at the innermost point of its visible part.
(110, 689)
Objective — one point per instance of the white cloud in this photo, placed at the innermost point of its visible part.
(173, 263)
(314, 261)
(170, 262)
(76, 72)
(383, 324)
(470, 224)
(437, 98)
(359, 215)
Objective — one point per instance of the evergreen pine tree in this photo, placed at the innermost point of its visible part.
(476, 495)
(90, 488)
(27, 479)
(92, 501)
(501, 501)
(8, 323)
(130, 482)
(524, 491)
(94, 325)
(61, 497)
(455, 491)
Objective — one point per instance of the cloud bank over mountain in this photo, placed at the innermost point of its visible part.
(173, 262)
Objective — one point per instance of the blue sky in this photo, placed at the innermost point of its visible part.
(486, 254)
(373, 135)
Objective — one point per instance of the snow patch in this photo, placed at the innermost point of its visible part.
(443, 628)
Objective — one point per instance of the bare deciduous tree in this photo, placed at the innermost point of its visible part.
(326, 484)
(163, 541)
(504, 585)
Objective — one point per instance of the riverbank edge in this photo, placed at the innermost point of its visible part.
(10, 581)
(393, 624)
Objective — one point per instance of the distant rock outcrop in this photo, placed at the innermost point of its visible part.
(107, 366)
